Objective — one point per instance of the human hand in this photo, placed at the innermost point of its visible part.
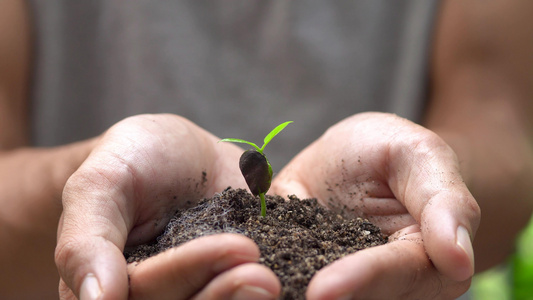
(405, 179)
(141, 171)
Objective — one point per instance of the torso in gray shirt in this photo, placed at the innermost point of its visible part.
(236, 68)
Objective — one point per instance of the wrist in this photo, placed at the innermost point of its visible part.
(33, 180)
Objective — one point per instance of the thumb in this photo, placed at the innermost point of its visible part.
(91, 234)
(287, 183)
(425, 173)
(104, 278)
(294, 179)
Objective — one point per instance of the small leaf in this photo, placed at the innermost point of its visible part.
(273, 133)
(242, 142)
(256, 171)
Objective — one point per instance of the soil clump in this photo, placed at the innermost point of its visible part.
(296, 238)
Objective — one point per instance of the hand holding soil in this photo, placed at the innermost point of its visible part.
(142, 171)
(394, 173)
(406, 180)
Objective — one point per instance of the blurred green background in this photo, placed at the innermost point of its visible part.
(513, 280)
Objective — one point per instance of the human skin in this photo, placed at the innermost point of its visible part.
(405, 179)
(128, 187)
(479, 106)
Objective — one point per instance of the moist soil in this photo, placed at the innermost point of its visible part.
(296, 238)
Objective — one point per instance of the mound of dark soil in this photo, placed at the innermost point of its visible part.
(296, 238)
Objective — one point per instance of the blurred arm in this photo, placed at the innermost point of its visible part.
(482, 105)
(14, 67)
(31, 180)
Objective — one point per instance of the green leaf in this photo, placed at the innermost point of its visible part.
(273, 133)
(242, 142)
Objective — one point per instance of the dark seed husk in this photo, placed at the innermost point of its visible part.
(255, 169)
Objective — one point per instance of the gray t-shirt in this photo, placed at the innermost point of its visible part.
(236, 68)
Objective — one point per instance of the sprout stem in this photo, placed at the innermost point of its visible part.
(263, 204)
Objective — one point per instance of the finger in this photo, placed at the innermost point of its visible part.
(88, 253)
(247, 281)
(179, 273)
(387, 213)
(397, 270)
(65, 293)
(427, 180)
(389, 225)
(288, 182)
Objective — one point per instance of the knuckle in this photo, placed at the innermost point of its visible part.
(428, 143)
(64, 251)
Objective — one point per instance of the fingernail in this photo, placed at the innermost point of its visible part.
(465, 243)
(90, 288)
(247, 292)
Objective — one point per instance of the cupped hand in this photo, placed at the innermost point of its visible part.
(405, 179)
(141, 171)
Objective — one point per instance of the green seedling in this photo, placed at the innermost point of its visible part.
(255, 167)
